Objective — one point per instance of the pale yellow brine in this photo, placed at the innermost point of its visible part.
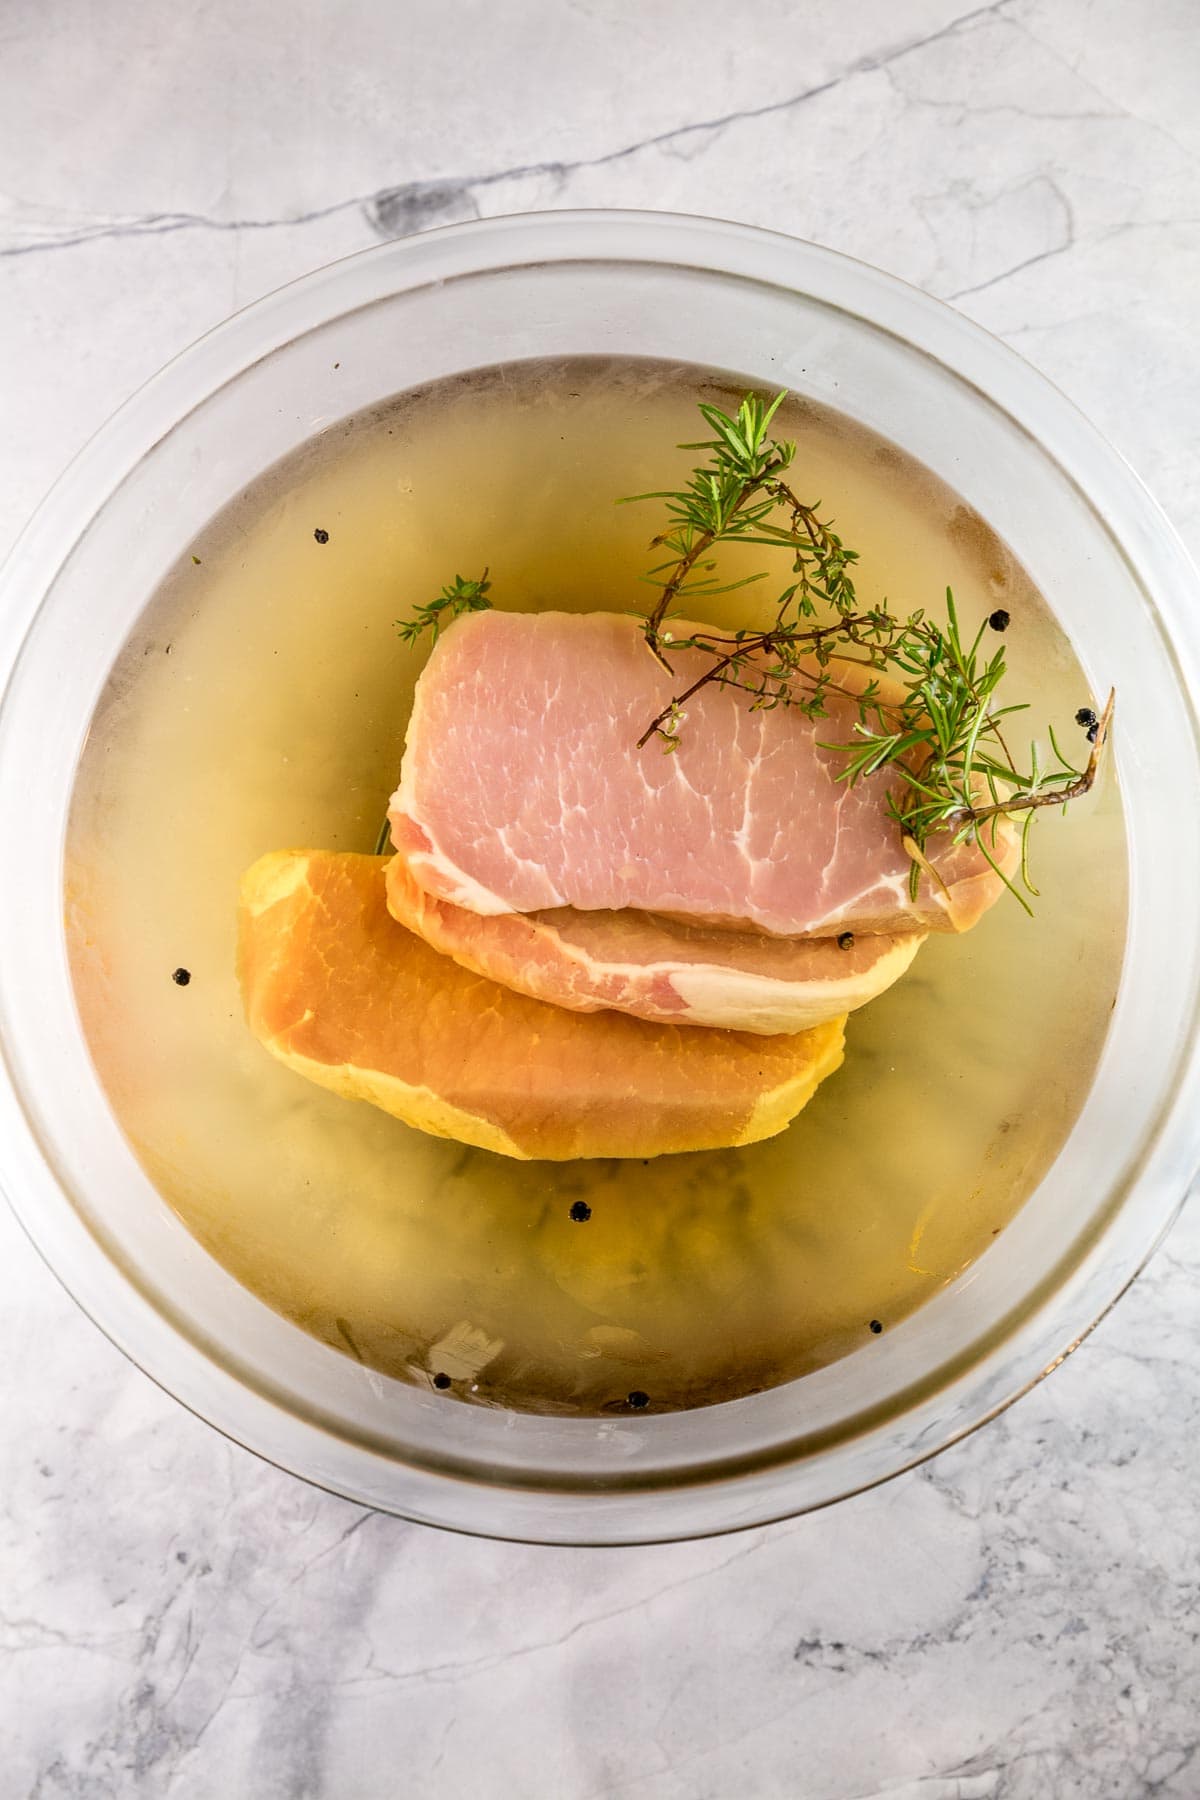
(262, 706)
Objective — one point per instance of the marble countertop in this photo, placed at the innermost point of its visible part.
(1017, 1620)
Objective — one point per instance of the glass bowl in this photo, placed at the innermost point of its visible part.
(688, 290)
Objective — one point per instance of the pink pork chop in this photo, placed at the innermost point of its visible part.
(659, 969)
(523, 790)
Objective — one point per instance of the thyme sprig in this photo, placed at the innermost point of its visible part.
(462, 595)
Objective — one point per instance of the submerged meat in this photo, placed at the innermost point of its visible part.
(656, 968)
(523, 790)
(343, 995)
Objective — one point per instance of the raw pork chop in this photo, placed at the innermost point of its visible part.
(658, 969)
(523, 789)
(346, 997)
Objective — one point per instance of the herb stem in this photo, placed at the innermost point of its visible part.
(759, 644)
(682, 570)
(1031, 799)
(671, 709)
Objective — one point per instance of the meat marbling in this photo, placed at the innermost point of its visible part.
(522, 789)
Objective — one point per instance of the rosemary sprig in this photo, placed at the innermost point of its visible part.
(732, 497)
(926, 704)
(462, 595)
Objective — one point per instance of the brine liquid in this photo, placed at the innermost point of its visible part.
(263, 706)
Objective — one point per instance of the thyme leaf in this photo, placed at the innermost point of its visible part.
(459, 596)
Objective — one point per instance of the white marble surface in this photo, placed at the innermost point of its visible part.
(1019, 1620)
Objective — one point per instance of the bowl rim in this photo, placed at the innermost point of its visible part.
(1136, 524)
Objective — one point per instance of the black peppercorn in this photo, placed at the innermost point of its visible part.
(999, 620)
(321, 535)
(581, 1212)
(876, 1327)
(638, 1399)
(441, 1381)
(1086, 717)
(181, 977)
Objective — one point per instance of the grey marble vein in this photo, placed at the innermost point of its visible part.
(1019, 1620)
(414, 206)
(1065, 241)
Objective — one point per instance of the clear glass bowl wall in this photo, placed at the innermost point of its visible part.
(785, 314)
